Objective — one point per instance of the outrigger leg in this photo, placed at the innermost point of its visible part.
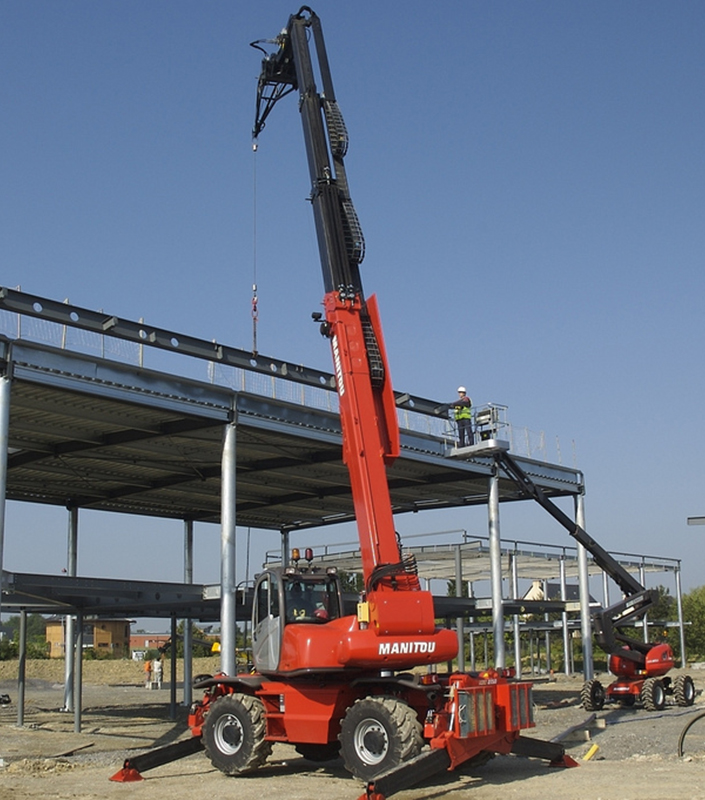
(133, 768)
(431, 762)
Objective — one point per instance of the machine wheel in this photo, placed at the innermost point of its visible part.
(653, 694)
(319, 752)
(378, 733)
(684, 690)
(592, 696)
(233, 734)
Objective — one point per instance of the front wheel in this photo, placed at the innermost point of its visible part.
(684, 690)
(592, 696)
(233, 734)
(378, 733)
(653, 694)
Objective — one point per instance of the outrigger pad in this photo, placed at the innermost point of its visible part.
(126, 775)
(553, 752)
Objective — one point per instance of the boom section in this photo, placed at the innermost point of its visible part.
(367, 405)
(340, 240)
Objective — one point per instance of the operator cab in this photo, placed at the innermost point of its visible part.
(290, 596)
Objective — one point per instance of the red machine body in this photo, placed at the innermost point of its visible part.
(332, 683)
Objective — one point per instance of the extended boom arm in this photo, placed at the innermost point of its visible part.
(637, 599)
(367, 405)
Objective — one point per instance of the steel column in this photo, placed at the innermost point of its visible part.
(605, 590)
(21, 668)
(496, 568)
(228, 583)
(4, 444)
(645, 618)
(172, 671)
(679, 604)
(564, 618)
(459, 620)
(78, 676)
(584, 581)
(69, 634)
(286, 558)
(188, 636)
(517, 629)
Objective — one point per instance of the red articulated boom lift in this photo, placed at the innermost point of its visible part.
(639, 667)
(327, 682)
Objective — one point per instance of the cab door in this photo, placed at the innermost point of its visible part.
(267, 623)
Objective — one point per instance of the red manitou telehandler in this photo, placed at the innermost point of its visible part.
(363, 686)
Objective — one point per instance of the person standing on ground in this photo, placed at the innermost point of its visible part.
(462, 409)
(147, 674)
(157, 672)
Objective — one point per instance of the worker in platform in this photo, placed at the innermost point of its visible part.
(462, 410)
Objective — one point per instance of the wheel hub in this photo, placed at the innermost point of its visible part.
(228, 734)
(371, 741)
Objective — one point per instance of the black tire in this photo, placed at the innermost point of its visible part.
(378, 733)
(233, 734)
(319, 752)
(592, 695)
(653, 694)
(695, 741)
(684, 690)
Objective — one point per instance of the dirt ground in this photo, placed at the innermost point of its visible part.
(636, 755)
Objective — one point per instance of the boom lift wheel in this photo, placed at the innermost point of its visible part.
(378, 733)
(592, 695)
(233, 734)
(684, 690)
(653, 694)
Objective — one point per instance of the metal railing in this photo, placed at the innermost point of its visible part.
(129, 342)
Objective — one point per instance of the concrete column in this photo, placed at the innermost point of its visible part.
(459, 620)
(564, 618)
(4, 444)
(584, 579)
(496, 569)
(228, 583)
(679, 604)
(69, 620)
(188, 637)
(517, 629)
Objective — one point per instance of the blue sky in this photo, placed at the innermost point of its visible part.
(529, 177)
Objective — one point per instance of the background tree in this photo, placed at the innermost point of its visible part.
(694, 616)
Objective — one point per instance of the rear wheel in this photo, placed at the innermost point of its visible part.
(378, 733)
(592, 696)
(653, 694)
(684, 690)
(233, 734)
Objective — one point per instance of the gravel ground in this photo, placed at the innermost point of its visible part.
(636, 757)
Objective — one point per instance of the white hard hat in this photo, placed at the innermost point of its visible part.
(462, 389)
